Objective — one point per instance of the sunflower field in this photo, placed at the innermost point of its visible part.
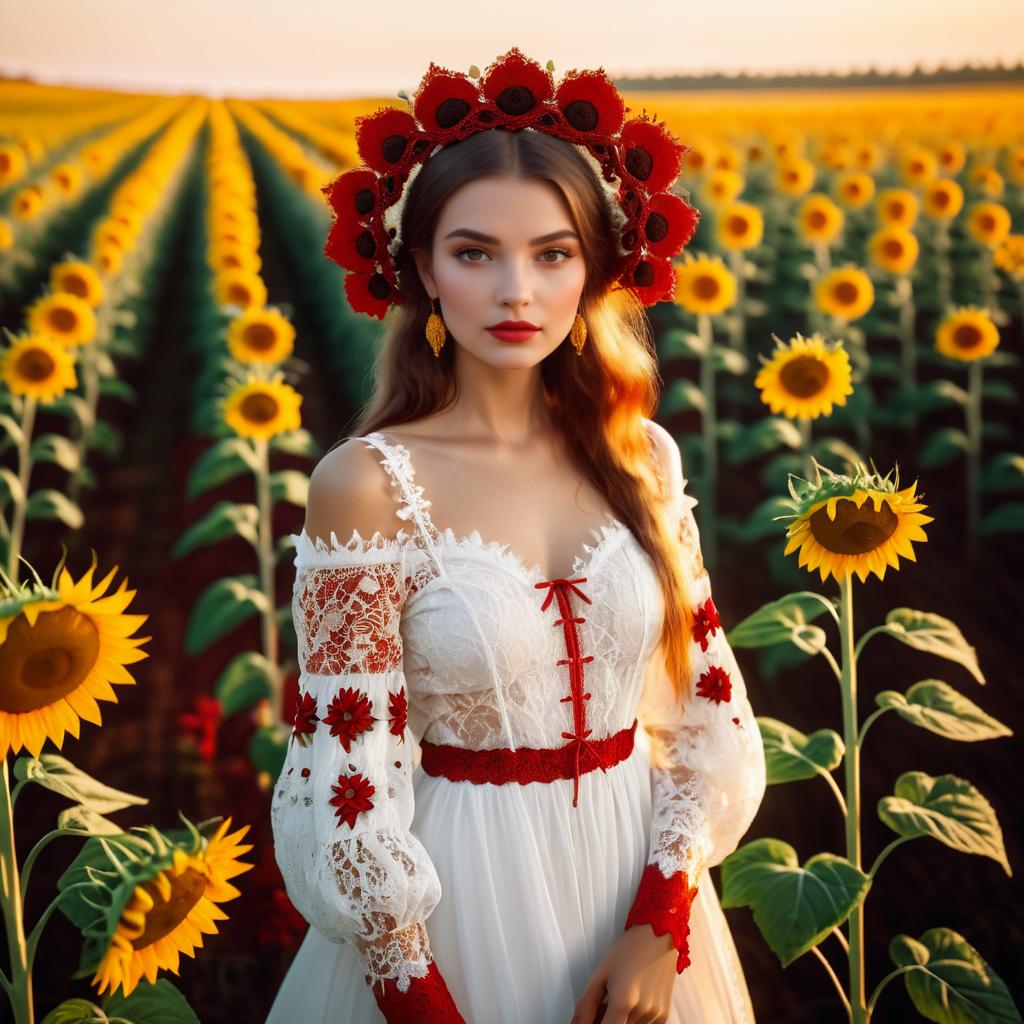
(842, 370)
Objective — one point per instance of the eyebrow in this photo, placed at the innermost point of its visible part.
(479, 236)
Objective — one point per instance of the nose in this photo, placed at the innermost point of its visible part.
(514, 288)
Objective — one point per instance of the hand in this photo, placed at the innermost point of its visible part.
(638, 975)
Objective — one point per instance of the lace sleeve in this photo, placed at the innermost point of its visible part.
(343, 805)
(708, 767)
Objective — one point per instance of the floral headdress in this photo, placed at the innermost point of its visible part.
(639, 159)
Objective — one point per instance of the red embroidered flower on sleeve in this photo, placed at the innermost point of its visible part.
(348, 715)
(715, 684)
(398, 708)
(705, 621)
(305, 718)
(351, 797)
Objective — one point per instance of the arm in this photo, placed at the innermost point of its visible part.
(708, 768)
(343, 805)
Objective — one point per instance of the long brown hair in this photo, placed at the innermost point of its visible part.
(599, 400)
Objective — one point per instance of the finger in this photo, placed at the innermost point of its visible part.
(586, 1008)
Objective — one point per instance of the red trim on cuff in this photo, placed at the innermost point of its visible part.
(427, 1000)
(664, 904)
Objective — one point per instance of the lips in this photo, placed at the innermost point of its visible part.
(513, 334)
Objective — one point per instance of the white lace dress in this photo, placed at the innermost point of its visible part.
(511, 893)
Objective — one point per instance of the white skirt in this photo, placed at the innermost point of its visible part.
(534, 894)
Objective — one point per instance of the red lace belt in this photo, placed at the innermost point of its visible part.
(527, 764)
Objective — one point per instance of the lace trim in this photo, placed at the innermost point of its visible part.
(426, 1001)
(398, 463)
(664, 904)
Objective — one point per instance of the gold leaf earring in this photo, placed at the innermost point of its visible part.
(435, 331)
(578, 333)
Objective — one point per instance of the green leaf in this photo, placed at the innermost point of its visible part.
(56, 448)
(680, 396)
(728, 360)
(10, 428)
(50, 504)
(222, 461)
(248, 679)
(224, 520)
(118, 388)
(1005, 518)
(296, 442)
(284, 545)
(223, 605)
(791, 756)
(763, 437)
(289, 485)
(776, 471)
(943, 446)
(946, 808)
(1004, 472)
(267, 749)
(835, 452)
(951, 983)
(934, 395)
(760, 522)
(926, 631)
(58, 774)
(936, 706)
(75, 406)
(151, 1003)
(75, 1011)
(678, 343)
(106, 438)
(794, 907)
(10, 484)
(81, 819)
(785, 619)
(1000, 391)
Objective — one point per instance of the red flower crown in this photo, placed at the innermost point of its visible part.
(640, 159)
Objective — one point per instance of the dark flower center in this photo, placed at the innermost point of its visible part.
(259, 408)
(804, 376)
(854, 531)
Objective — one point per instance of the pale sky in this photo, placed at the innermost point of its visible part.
(358, 48)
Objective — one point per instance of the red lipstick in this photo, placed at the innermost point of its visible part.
(513, 330)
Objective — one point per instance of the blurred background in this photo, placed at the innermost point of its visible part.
(859, 169)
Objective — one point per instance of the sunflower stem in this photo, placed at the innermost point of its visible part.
(851, 765)
(885, 981)
(943, 269)
(867, 722)
(908, 342)
(832, 974)
(972, 416)
(709, 426)
(265, 552)
(37, 931)
(898, 841)
(20, 500)
(738, 331)
(804, 423)
(19, 991)
(26, 867)
(91, 394)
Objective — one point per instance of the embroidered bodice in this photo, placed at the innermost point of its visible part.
(467, 645)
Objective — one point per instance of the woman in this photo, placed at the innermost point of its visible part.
(523, 853)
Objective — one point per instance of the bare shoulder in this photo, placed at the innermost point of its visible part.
(350, 490)
(667, 452)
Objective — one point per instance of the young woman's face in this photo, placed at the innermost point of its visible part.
(506, 249)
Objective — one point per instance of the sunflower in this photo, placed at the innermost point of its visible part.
(794, 176)
(235, 256)
(28, 203)
(263, 408)
(261, 336)
(855, 189)
(985, 178)
(845, 292)
(868, 156)
(109, 258)
(966, 334)
(740, 226)
(1014, 164)
(988, 222)
(1009, 256)
(6, 234)
(13, 163)
(918, 166)
(704, 284)
(898, 206)
(952, 156)
(943, 199)
(64, 317)
(805, 377)
(723, 186)
(894, 249)
(240, 288)
(156, 900)
(727, 158)
(818, 218)
(114, 232)
(68, 179)
(61, 648)
(853, 524)
(38, 368)
(79, 278)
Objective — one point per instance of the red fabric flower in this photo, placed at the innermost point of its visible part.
(369, 293)
(201, 726)
(669, 225)
(590, 102)
(354, 195)
(305, 715)
(385, 138)
(444, 100)
(654, 280)
(351, 797)
(705, 621)
(398, 709)
(348, 715)
(516, 84)
(653, 155)
(715, 684)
